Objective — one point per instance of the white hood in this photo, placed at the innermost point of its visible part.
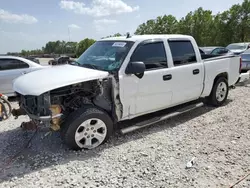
(38, 82)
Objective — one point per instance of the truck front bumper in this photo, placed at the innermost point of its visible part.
(44, 118)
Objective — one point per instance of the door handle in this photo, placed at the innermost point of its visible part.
(196, 71)
(167, 77)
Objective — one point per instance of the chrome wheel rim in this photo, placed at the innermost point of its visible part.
(91, 133)
(221, 91)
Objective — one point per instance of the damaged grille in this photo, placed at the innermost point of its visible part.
(36, 105)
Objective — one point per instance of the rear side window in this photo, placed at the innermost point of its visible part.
(152, 54)
(182, 52)
(10, 64)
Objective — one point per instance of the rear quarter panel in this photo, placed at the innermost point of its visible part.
(214, 67)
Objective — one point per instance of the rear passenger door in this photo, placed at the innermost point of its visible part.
(187, 72)
(9, 70)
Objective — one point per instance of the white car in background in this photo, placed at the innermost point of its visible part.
(238, 48)
(12, 67)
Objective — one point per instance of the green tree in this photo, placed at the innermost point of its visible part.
(83, 45)
(232, 25)
(70, 47)
(115, 35)
(166, 24)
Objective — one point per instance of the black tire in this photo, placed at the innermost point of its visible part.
(212, 99)
(74, 120)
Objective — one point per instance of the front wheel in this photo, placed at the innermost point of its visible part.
(87, 128)
(219, 93)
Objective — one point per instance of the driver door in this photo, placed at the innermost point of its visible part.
(152, 92)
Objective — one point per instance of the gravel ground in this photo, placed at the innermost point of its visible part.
(155, 156)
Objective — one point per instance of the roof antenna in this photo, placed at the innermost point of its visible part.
(128, 35)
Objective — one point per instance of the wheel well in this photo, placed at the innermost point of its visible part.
(224, 75)
(221, 75)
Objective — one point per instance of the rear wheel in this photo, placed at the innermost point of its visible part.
(87, 128)
(219, 93)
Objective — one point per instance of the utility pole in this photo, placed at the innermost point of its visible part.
(69, 33)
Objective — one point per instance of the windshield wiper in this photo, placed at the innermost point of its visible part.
(91, 66)
(74, 62)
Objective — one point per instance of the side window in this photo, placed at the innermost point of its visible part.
(10, 64)
(182, 52)
(216, 51)
(152, 54)
(23, 65)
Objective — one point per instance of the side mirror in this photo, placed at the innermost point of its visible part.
(137, 68)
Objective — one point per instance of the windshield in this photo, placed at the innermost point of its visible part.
(105, 55)
(237, 46)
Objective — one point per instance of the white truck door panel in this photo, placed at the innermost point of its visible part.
(147, 94)
(187, 72)
(151, 92)
(187, 82)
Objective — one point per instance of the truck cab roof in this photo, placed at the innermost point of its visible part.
(139, 38)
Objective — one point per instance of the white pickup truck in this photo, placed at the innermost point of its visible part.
(124, 78)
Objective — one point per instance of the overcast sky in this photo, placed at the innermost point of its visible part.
(29, 24)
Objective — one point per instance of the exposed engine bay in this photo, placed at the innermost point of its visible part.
(53, 107)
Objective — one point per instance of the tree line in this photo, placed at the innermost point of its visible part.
(230, 26)
(221, 29)
(74, 49)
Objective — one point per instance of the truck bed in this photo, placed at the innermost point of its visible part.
(211, 56)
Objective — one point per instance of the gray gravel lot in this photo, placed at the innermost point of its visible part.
(155, 156)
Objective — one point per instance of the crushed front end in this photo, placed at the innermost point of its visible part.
(52, 108)
(39, 109)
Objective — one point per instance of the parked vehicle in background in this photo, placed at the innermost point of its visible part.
(60, 60)
(12, 67)
(33, 59)
(124, 78)
(216, 50)
(238, 48)
(245, 57)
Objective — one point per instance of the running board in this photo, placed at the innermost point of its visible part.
(154, 120)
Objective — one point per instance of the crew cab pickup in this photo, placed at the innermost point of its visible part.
(121, 79)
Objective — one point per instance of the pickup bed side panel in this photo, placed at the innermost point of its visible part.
(234, 70)
(214, 67)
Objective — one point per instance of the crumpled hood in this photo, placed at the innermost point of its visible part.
(41, 81)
